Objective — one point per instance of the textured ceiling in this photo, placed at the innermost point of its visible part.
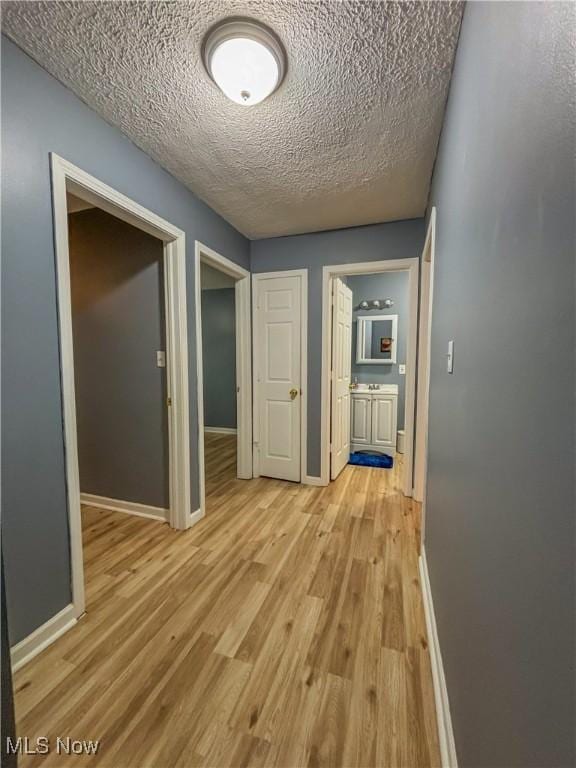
(349, 138)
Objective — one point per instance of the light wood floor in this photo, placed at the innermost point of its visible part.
(286, 629)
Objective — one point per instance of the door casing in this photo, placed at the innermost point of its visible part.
(424, 343)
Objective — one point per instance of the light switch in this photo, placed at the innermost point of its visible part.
(450, 357)
(402, 370)
(161, 358)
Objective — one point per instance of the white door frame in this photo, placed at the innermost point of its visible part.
(424, 341)
(256, 279)
(205, 255)
(365, 268)
(68, 178)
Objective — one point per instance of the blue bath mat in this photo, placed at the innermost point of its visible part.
(381, 460)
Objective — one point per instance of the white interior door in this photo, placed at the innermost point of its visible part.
(278, 339)
(341, 372)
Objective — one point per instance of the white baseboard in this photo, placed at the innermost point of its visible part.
(41, 638)
(311, 480)
(445, 732)
(195, 517)
(221, 430)
(129, 507)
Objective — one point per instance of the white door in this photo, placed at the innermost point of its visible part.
(341, 370)
(384, 409)
(361, 419)
(278, 330)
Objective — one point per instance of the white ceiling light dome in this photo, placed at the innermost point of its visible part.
(245, 59)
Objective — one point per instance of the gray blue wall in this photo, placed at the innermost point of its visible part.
(390, 285)
(219, 357)
(378, 242)
(39, 116)
(117, 287)
(500, 515)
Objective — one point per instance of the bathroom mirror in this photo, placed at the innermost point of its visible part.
(377, 339)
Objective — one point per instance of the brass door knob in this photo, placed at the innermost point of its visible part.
(293, 393)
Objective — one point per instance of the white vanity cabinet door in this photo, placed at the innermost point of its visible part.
(361, 419)
(384, 410)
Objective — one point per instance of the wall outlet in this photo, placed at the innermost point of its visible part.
(402, 370)
(161, 358)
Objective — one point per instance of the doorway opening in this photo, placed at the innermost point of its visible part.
(119, 339)
(369, 335)
(98, 282)
(224, 370)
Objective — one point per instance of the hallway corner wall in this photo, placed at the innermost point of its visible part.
(500, 497)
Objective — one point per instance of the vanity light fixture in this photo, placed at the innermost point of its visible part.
(376, 304)
(245, 59)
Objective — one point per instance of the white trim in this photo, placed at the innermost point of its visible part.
(243, 297)
(205, 255)
(128, 507)
(256, 277)
(362, 268)
(255, 364)
(410, 392)
(304, 379)
(311, 480)
(424, 344)
(41, 638)
(67, 177)
(68, 388)
(222, 430)
(221, 263)
(195, 517)
(445, 732)
(177, 382)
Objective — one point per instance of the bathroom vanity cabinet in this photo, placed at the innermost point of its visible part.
(374, 419)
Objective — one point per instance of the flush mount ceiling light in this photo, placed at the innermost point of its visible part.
(245, 59)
